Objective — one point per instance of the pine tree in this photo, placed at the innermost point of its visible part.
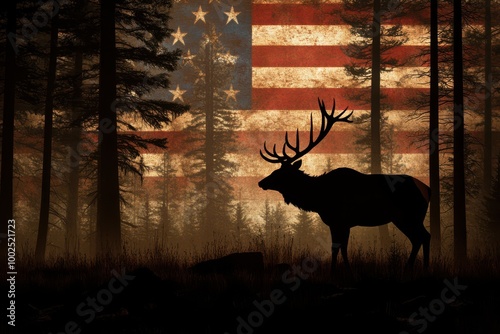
(168, 196)
(212, 134)
(43, 225)
(370, 52)
(242, 230)
(9, 97)
(142, 67)
(434, 159)
(390, 162)
(304, 228)
(459, 210)
(269, 223)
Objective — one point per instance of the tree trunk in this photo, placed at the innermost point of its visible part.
(7, 168)
(108, 193)
(435, 204)
(488, 77)
(376, 158)
(72, 217)
(459, 212)
(43, 225)
(209, 140)
(376, 164)
(71, 242)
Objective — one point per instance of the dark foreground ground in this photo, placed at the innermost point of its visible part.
(280, 298)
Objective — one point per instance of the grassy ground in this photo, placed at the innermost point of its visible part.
(155, 292)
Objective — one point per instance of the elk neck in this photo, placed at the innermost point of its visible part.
(302, 191)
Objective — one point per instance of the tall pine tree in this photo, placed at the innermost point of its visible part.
(212, 135)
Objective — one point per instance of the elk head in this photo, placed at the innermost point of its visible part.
(281, 178)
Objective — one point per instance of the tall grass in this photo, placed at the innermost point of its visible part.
(172, 263)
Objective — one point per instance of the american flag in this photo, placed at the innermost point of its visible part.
(289, 53)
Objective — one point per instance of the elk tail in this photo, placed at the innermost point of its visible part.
(424, 190)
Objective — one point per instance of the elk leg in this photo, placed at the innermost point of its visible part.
(335, 252)
(340, 239)
(414, 234)
(426, 246)
(343, 249)
(414, 251)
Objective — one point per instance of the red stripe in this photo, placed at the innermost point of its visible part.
(250, 142)
(306, 98)
(319, 14)
(327, 56)
(337, 142)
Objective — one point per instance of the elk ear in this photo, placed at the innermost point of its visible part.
(297, 164)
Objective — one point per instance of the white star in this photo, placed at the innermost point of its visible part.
(188, 58)
(200, 15)
(232, 15)
(231, 93)
(179, 36)
(177, 94)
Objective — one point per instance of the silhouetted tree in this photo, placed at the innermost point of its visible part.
(437, 108)
(9, 97)
(434, 179)
(169, 197)
(142, 67)
(242, 231)
(108, 188)
(390, 163)
(47, 143)
(488, 90)
(491, 212)
(459, 210)
(212, 134)
(371, 59)
(272, 218)
(77, 44)
(304, 228)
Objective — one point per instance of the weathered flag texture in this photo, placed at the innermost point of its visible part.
(289, 53)
(233, 25)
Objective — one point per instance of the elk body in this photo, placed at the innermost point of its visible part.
(345, 198)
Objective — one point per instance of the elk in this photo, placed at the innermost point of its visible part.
(345, 198)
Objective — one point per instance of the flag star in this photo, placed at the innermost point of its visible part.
(188, 58)
(177, 93)
(179, 36)
(232, 15)
(200, 15)
(231, 93)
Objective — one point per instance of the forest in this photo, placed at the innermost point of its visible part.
(130, 166)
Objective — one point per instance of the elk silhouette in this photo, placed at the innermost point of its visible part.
(344, 198)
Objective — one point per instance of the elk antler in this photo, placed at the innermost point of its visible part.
(274, 157)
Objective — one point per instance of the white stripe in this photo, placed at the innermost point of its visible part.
(313, 164)
(324, 35)
(333, 77)
(290, 120)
